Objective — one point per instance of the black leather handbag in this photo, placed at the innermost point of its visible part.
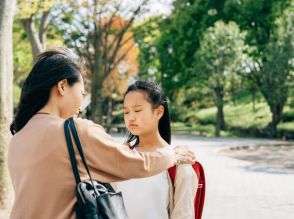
(95, 200)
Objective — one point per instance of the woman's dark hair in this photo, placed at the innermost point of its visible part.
(51, 67)
(156, 98)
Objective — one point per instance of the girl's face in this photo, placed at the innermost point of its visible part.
(139, 115)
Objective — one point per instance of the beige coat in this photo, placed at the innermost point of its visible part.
(182, 193)
(41, 172)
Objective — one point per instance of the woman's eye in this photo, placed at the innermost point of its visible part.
(126, 113)
(138, 111)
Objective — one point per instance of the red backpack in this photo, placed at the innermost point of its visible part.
(200, 194)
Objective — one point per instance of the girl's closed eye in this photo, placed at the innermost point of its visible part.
(126, 112)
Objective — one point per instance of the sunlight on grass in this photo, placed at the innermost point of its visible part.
(286, 126)
(244, 116)
(241, 116)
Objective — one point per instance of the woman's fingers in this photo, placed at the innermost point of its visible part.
(185, 155)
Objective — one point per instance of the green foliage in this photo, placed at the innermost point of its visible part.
(22, 55)
(273, 72)
(29, 7)
(145, 37)
(16, 95)
(257, 18)
(221, 55)
(22, 51)
(177, 42)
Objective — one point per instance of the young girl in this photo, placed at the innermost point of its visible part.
(146, 117)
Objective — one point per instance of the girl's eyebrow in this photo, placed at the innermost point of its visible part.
(133, 106)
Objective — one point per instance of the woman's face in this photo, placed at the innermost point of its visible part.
(139, 116)
(72, 99)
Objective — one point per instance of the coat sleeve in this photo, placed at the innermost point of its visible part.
(186, 185)
(110, 161)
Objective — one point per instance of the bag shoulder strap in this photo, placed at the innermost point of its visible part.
(69, 125)
(81, 152)
(71, 152)
(79, 145)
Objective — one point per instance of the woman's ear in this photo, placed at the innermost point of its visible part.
(159, 111)
(61, 85)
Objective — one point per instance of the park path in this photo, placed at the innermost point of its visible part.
(235, 191)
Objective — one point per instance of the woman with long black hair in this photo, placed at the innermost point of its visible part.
(147, 119)
(38, 159)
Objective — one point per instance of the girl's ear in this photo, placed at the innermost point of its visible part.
(159, 111)
(61, 85)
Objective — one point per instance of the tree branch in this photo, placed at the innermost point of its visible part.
(29, 27)
(45, 20)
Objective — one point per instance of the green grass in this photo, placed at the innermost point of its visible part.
(242, 116)
(289, 126)
(207, 130)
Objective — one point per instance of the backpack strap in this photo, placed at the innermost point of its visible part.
(172, 173)
(200, 193)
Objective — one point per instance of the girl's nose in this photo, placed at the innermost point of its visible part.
(132, 117)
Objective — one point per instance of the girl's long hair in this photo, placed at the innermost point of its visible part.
(51, 67)
(156, 98)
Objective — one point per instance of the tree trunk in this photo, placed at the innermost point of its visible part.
(6, 90)
(253, 100)
(220, 121)
(96, 85)
(37, 38)
(96, 97)
(109, 113)
(97, 79)
(277, 114)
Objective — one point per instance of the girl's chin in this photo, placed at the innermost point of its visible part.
(133, 132)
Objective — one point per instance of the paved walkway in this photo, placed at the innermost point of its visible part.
(235, 191)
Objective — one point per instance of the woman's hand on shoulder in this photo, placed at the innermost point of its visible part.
(185, 155)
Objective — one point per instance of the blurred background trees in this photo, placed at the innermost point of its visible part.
(264, 73)
(210, 57)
